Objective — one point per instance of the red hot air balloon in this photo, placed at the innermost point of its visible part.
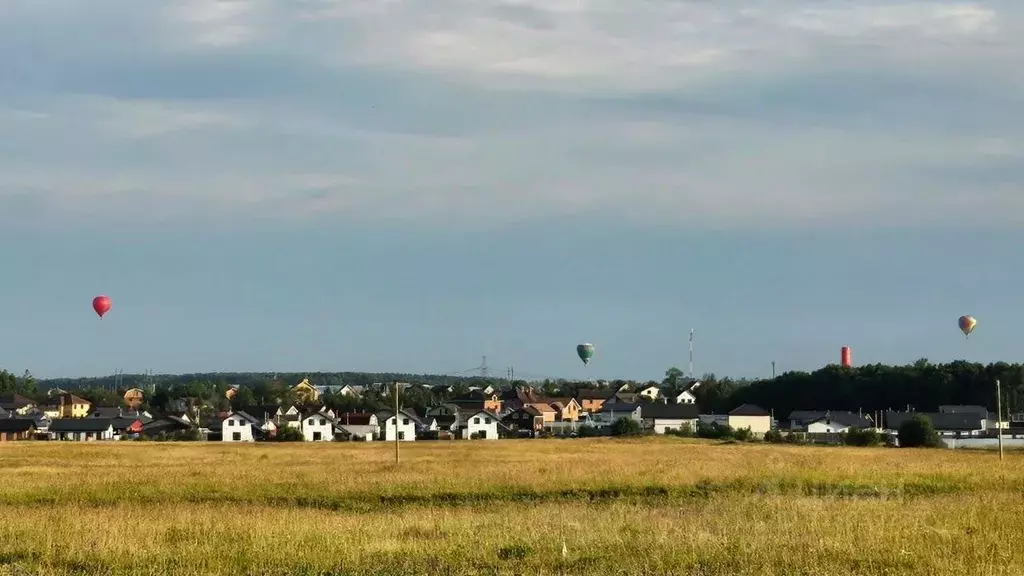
(101, 304)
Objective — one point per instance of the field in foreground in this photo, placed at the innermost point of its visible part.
(651, 506)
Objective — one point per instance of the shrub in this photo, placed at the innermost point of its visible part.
(862, 437)
(684, 431)
(588, 431)
(714, 431)
(626, 427)
(743, 434)
(918, 432)
(288, 434)
(773, 436)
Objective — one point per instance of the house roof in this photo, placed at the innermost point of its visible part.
(80, 424)
(540, 407)
(844, 417)
(385, 414)
(15, 402)
(446, 420)
(245, 416)
(67, 398)
(619, 407)
(670, 411)
(627, 397)
(594, 393)
(749, 410)
(964, 409)
(118, 412)
(16, 424)
(940, 420)
(124, 423)
(355, 418)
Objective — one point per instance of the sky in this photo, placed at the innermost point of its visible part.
(387, 185)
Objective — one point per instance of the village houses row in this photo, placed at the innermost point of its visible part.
(483, 413)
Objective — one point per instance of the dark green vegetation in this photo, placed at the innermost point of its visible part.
(921, 385)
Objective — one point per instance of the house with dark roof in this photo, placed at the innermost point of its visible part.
(612, 411)
(525, 419)
(945, 423)
(67, 405)
(481, 424)
(664, 417)
(591, 399)
(12, 429)
(17, 404)
(239, 427)
(120, 412)
(827, 421)
(404, 425)
(751, 416)
(356, 426)
(81, 429)
(317, 426)
(169, 424)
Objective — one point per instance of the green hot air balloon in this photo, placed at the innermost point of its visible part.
(585, 351)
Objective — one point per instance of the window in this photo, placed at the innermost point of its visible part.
(236, 436)
(487, 420)
(323, 422)
(401, 435)
(405, 421)
(231, 422)
(311, 421)
(316, 436)
(476, 420)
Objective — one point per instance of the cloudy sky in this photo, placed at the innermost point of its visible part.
(397, 185)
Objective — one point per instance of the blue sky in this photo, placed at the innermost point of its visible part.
(398, 186)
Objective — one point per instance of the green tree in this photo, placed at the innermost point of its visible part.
(918, 432)
(625, 427)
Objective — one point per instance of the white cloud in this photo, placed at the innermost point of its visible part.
(693, 113)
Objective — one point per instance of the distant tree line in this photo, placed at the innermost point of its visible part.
(922, 386)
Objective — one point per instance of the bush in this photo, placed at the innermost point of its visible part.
(773, 436)
(288, 434)
(714, 431)
(190, 435)
(588, 431)
(684, 431)
(743, 434)
(862, 437)
(918, 432)
(793, 438)
(626, 427)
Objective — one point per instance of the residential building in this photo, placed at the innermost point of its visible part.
(826, 421)
(751, 416)
(17, 404)
(566, 409)
(404, 425)
(946, 424)
(687, 395)
(546, 411)
(483, 424)
(317, 427)
(591, 400)
(82, 429)
(12, 429)
(527, 418)
(651, 393)
(664, 417)
(356, 426)
(305, 392)
(238, 427)
(67, 405)
(612, 411)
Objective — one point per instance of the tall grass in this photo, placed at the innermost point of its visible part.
(651, 506)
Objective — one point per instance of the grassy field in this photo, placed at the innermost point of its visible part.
(652, 506)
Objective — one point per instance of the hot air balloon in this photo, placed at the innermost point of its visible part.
(101, 304)
(967, 324)
(585, 351)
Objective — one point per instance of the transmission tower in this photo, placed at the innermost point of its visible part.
(482, 368)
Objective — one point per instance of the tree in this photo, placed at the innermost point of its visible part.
(673, 378)
(918, 432)
(626, 427)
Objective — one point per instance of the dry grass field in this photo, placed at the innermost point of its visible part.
(650, 506)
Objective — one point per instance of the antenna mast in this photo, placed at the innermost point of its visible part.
(691, 353)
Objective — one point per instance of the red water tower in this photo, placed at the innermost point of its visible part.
(847, 357)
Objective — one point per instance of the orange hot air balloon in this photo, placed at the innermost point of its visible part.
(967, 324)
(101, 304)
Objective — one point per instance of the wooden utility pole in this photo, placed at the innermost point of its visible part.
(999, 418)
(395, 385)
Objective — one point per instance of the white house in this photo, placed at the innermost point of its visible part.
(482, 423)
(317, 427)
(237, 427)
(751, 416)
(81, 429)
(406, 426)
(664, 417)
(687, 395)
(612, 411)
